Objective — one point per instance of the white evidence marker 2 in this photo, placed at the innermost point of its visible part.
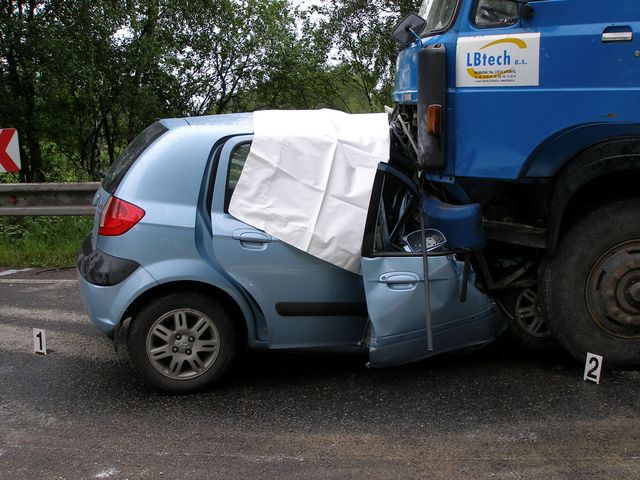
(593, 368)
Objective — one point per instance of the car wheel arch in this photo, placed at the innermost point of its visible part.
(239, 317)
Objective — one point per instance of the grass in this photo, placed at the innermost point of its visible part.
(41, 241)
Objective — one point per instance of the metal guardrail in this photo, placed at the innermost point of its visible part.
(33, 199)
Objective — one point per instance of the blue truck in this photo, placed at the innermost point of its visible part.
(525, 117)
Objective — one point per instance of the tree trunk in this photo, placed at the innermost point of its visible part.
(94, 152)
(108, 138)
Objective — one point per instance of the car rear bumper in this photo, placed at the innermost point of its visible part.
(108, 286)
(102, 269)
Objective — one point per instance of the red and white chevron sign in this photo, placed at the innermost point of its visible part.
(9, 150)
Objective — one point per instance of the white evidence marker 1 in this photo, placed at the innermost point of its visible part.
(39, 341)
(593, 368)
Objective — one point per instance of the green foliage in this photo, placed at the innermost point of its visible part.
(41, 241)
(360, 34)
(80, 79)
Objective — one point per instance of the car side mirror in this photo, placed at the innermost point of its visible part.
(408, 30)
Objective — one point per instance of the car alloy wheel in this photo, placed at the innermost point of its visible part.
(183, 344)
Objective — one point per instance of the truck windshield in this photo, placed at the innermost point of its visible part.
(437, 13)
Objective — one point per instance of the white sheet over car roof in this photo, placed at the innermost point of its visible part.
(308, 179)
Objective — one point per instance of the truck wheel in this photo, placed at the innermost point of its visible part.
(181, 342)
(592, 285)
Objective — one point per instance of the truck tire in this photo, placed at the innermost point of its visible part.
(181, 342)
(592, 285)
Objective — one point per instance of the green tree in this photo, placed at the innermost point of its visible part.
(221, 50)
(80, 79)
(360, 31)
(23, 25)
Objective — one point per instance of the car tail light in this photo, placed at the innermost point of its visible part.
(118, 217)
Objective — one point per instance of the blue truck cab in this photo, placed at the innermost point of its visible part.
(531, 112)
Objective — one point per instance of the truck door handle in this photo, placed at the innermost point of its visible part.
(400, 280)
(617, 34)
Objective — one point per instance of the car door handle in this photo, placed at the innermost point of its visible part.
(617, 34)
(251, 239)
(254, 237)
(251, 236)
(400, 280)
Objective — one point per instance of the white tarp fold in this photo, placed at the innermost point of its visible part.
(308, 179)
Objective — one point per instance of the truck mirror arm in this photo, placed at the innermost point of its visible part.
(415, 35)
(525, 11)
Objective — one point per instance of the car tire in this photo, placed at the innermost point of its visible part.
(527, 323)
(592, 285)
(181, 342)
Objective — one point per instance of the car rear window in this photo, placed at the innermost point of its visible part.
(138, 145)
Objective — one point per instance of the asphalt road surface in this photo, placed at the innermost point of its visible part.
(81, 413)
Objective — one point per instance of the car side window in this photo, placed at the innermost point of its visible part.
(236, 164)
(396, 217)
(495, 13)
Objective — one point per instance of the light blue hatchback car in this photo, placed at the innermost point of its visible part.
(200, 285)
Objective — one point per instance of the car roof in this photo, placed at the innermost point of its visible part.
(232, 123)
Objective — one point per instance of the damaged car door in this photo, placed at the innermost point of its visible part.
(392, 270)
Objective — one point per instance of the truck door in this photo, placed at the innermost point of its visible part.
(523, 80)
(305, 302)
(393, 277)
